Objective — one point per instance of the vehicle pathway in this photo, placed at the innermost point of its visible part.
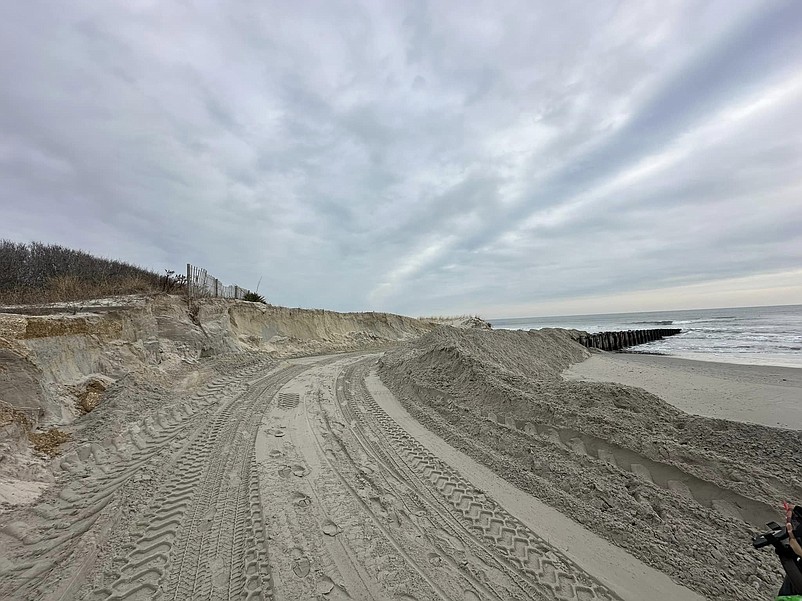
(367, 504)
(301, 479)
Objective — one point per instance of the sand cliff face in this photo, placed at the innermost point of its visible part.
(62, 363)
(54, 365)
(50, 363)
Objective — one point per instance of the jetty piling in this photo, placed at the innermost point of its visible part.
(613, 341)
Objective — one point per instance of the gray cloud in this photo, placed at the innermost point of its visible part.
(413, 157)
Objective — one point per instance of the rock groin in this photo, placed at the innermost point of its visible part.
(613, 341)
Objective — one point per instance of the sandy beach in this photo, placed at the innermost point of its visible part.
(757, 394)
(372, 456)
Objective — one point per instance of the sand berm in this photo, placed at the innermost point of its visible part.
(681, 492)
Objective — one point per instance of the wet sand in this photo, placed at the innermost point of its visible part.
(758, 394)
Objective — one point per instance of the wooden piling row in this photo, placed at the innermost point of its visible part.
(613, 341)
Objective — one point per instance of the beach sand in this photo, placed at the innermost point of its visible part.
(630, 467)
(758, 394)
(458, 464)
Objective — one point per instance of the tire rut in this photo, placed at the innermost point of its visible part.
(546, 572)
(438, 527)
(197, 449)
(199, 556)
(664, 475)
(351, 527)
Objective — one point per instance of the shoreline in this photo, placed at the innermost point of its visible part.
(758, 394)
(744, 360)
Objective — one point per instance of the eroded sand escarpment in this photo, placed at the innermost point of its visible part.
(682, 493)
(50, 359)
(58, 362)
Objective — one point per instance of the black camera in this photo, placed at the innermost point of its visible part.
(777, 536)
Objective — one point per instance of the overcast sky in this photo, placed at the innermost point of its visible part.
(505, 158)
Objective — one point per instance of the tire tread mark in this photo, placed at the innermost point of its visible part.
(511, 539)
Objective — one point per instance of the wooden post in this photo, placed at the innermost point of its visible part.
(189, 281)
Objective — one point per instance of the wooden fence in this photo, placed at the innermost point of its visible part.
(201, 284)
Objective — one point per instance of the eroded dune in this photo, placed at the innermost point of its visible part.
(57, 361)
(52, 359)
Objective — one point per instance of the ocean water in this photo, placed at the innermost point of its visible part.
(749, 335)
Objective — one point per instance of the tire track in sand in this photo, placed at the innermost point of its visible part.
(347, 527)
(65, 533)
(203, 534)
(662, 474)
(543, 569)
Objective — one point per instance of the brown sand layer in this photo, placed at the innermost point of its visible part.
(755, 394)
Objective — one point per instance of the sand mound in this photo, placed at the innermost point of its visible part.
(639, 472)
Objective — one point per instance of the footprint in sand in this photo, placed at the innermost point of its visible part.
(324, 585)
(449, 540)
(206, 524)
(275, 453)
(299, 471)
(285, 471)
(367, 469)
(300, 499)
(300, 563)
(330, 528)
(377, 507)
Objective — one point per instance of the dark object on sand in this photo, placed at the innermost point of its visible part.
(777, 536)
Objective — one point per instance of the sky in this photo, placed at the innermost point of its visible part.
(425, 158)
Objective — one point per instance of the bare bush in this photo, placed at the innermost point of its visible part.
(66, 287)
(42, 273)
(172, 282)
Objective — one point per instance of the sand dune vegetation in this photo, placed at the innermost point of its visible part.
(38, 273)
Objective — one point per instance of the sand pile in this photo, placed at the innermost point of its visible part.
(682, 493)
(286, 332)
